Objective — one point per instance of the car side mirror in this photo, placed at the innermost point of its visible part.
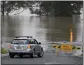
(39, 43)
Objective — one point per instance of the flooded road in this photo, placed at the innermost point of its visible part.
(43, 28)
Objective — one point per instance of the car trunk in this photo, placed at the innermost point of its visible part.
(19, 47)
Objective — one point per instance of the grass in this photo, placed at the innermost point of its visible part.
(3, 51)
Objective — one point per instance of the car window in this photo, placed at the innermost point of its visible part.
(32, 41)
(19, 41)
(35, 41)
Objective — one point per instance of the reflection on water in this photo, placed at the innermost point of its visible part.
(45, 29)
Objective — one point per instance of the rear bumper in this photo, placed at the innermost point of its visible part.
(20, 52)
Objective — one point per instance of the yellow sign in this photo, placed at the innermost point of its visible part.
(66, 47)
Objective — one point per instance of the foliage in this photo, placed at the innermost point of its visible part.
(8, 6)
(56, 8)
(61, 8)
(3, 51)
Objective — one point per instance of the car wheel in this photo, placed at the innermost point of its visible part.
(11, 55)
(41, 53)
(32, 55)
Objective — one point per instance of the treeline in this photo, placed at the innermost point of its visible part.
(54, 8)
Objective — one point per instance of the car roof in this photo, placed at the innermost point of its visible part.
(23, 37)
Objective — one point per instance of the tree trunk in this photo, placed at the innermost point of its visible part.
(2, 22)
(3, 8)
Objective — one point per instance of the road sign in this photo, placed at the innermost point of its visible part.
(66, 47)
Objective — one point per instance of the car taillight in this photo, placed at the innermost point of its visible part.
(9, 46)
(28, 46)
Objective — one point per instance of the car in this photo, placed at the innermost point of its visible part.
(25, 45)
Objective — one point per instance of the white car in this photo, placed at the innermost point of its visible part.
(23, 45)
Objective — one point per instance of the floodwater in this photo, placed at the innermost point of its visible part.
(43, 28)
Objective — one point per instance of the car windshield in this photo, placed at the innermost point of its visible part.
(19, 41)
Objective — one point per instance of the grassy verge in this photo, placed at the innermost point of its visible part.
(3, 51)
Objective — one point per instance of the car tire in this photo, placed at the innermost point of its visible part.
(41, 53)
(32, 55)
(11, 55)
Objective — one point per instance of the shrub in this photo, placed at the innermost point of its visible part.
(3, 51)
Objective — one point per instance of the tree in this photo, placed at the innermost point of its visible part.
(8, 6)
(56, 8)
(61, 8)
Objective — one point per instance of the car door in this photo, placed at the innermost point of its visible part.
(37, 47)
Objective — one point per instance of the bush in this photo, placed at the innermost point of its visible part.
(3, 51)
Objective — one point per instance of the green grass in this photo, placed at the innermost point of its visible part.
(3, 51)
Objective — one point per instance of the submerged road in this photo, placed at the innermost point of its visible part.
(48, 58)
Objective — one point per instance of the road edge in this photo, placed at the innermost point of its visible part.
(2, 55)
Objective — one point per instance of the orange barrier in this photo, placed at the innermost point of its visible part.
(71, 35)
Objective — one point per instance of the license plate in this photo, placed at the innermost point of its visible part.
(18, 48)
